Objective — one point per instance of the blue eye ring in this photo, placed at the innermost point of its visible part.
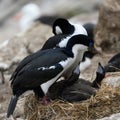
(91, 44)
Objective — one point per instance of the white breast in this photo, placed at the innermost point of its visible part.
(84, 65)
(68, 66)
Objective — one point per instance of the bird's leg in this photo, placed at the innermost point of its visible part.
(45, 100)
(38, 93)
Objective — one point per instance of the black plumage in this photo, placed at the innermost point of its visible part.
(113, 64)
(68, 29)
(76, 89)
(64, 25)
(90, 29)
(29, 73)
(53, 42)
(43, 66)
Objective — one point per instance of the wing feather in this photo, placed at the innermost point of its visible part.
(32, 77)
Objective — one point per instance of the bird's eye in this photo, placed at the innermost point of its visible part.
(91, 44)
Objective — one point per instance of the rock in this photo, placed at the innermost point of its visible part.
(112, 117)
(107, 33)
(21, 45)
(73, 7)
(19, 110)
(2, 115)
(113, 79)
(85, 18)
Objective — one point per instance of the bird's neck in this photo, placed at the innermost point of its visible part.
(71, 29)
(97, 82)
(85, 63)
(78, 29)
(64, 42)
(77, 51)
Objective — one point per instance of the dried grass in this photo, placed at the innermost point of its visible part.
(106, 102)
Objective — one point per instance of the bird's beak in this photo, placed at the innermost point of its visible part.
(93, 49)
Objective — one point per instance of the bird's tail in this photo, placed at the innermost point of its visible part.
(100, 74)
(12, 105)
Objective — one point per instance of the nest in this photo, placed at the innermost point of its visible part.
(105, 103)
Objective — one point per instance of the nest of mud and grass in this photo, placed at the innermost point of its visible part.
(105, 103)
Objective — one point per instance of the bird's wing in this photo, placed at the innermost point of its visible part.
(50, 43)
(29, 59)
(25, 61)
(53, 41)
(35, 76)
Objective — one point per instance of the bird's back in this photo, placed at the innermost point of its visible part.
(53, 41)
(113, 64)
(115, 58)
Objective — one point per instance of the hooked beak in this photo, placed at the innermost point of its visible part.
(93, 49)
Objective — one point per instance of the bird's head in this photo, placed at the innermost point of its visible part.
(62, 26)
(90, 29)
(100, 75)
(100, 71)
(81, 42)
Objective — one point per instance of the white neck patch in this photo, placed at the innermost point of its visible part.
(85, 64)
(45, 86)
(79, 47)
(79, 29)
(65, 64)
(64, 42)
